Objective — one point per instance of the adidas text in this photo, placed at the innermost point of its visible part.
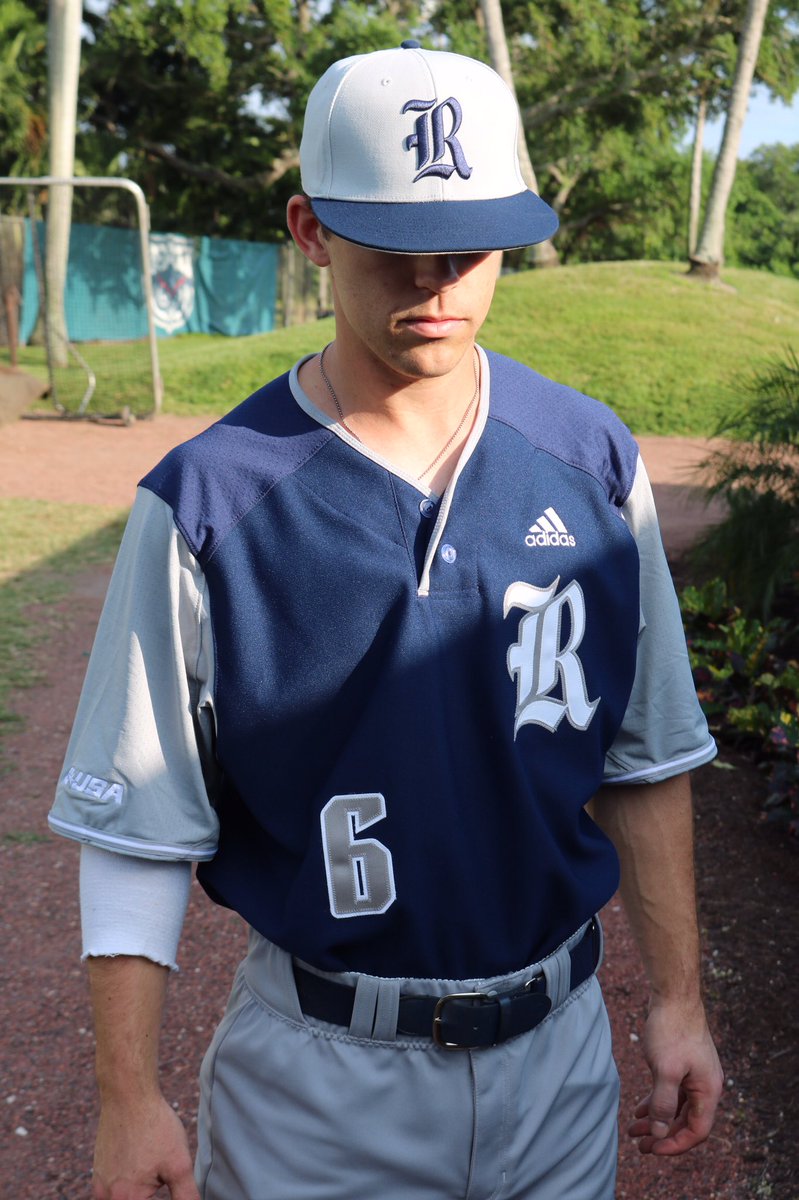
(549, 539)
(83, 783)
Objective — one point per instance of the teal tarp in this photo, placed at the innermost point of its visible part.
(204, 285)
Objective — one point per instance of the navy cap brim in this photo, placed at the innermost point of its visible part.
(440, 226)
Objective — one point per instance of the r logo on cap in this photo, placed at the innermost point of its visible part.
(421, 138)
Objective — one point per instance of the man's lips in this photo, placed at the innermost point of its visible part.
(432, 326)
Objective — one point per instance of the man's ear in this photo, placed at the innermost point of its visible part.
(307, 231)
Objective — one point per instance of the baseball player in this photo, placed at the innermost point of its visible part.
(374, 645)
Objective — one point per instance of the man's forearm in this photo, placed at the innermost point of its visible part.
(652, 829)
(651, 826)
(128, 1001)
(141, 1143)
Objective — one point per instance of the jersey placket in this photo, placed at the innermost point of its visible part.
(427, 500)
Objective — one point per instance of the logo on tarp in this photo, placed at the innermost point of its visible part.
(172, 262)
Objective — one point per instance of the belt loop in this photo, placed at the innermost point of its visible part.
(557, 972)
(387, 1011)
(364, 1005)
(599, 936)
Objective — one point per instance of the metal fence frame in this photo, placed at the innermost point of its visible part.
(143, 211)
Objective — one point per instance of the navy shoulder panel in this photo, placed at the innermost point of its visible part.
(212, 481)
(575, 428)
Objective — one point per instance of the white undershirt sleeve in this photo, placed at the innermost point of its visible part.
(132, 906)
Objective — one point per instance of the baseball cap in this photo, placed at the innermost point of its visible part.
(415, 151)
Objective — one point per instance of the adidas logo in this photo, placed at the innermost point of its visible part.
(549, 530)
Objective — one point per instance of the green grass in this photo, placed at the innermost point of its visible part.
(665, 352)
(662, 350)
(42, 547)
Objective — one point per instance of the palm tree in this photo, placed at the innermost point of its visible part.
(706, 261)
(544, 254)
(64, 62)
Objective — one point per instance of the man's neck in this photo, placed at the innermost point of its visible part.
(419, 425)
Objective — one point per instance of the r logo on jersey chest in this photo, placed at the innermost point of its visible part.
(543, 662)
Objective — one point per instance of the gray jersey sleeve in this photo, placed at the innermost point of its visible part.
(664, 731)
(139, 767)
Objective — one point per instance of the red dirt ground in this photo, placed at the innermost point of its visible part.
(747, 879)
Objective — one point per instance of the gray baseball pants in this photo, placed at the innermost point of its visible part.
(294, 1108)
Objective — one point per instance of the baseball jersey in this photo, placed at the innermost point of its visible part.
(373, 716)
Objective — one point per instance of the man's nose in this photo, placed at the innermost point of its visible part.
(436, 272)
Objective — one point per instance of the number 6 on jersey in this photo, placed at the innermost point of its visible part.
(360, 871)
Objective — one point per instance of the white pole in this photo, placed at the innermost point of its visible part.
(63, 66)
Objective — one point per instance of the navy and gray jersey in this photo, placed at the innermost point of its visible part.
(374, 716)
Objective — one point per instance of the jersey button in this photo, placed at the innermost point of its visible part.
(449, 553)
(427, 507)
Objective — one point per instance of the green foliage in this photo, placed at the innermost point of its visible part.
(606, 89)
(763, 217)
(756, 547)
(202, 103)
(748, 687)
(23, 88)
(629, 203)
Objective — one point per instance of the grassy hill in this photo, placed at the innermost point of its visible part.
(662, 350)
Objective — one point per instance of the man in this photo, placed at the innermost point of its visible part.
(373, 643)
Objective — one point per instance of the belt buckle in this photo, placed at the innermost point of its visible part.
(438, 1017)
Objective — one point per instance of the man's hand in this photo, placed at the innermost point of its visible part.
(651, 826)
(140, 1147)
(687, 1081)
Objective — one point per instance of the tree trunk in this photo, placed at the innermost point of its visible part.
(709, 255)
(695, 203)
(544, 253)
(64, 61)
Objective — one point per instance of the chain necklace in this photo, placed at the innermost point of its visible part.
(449, 441)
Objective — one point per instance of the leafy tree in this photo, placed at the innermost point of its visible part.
(23, 88)
(544, 254)
(630, 202)
(604, 89)
(707, 258)
(763, 225)
(202, 103)
(756, 547)
(714, 69)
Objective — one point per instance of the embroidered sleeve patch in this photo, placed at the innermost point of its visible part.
(92, 787)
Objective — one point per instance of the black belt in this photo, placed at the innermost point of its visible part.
(461, 1020)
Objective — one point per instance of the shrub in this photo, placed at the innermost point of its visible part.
(756, 547)
(748, 688)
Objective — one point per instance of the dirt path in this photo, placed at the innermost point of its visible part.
(79, 461)
(49, 1101)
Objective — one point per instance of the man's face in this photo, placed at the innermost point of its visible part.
(416, 314)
